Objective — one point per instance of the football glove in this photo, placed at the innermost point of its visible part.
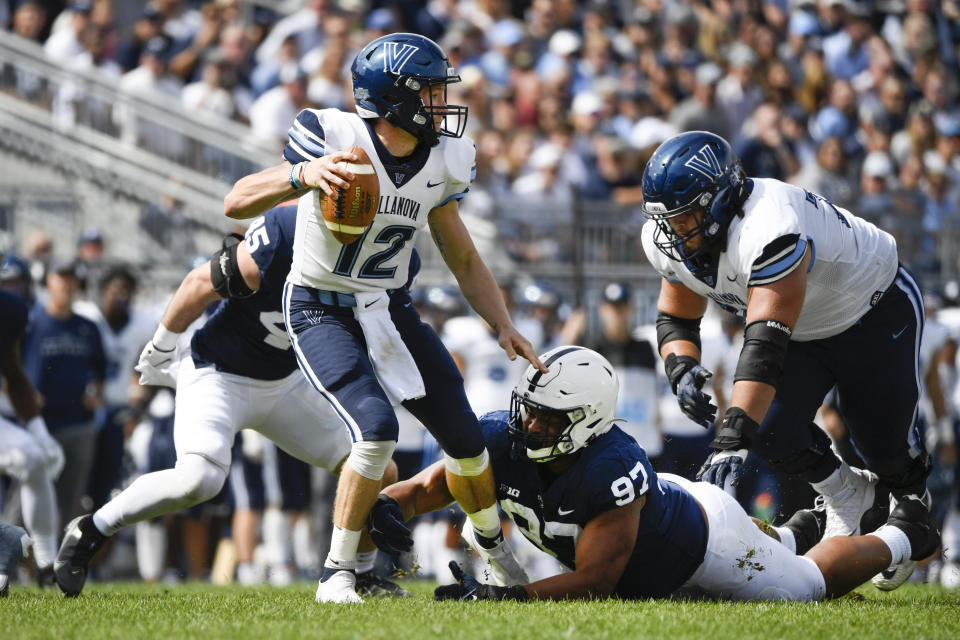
(505, 569)
(52, 451)
(723, 469)
(156, 367)
(687, 378)
(734, 435)
(469, 588)
(387, 527)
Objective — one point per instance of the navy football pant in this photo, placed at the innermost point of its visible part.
(332, 353)
(874, 364)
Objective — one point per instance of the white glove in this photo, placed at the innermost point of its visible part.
(505, 569)
(157, 365)
(52, 451)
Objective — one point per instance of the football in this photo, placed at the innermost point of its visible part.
(351, 210)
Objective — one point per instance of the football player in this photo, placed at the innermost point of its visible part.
(826, 303)
(32, 456)
(361, 356)
(583, 490)
(239, 372)
(14, 543)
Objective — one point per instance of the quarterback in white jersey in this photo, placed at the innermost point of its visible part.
(826, 303)
(363, 354)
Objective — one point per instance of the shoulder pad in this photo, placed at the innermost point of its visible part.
(340, 128)
(459, 156)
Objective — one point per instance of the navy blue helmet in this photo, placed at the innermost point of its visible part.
(388, 75)
(693, 172)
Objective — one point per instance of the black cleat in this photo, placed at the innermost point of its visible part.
(807, 526)
(913, 517)
(81, 541)
(370, 585)
(45, 578)
(876, 516)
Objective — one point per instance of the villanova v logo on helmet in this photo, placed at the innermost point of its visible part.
(705, 161)
(396, 55)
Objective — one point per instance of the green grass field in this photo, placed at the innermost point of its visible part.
(141, 611)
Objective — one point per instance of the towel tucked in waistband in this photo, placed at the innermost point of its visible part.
(395, 368)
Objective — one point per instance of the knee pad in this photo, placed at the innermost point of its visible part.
(467, 466)
(200, 478)
(370, 458)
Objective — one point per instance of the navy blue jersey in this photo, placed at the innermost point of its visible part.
(611, 472)
(246, 336)
(61, 357)
(13, 320)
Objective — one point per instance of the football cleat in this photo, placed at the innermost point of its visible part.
(807, 526)
(370, 585)
(14, 543)
(502, 564)
(81, 541)
(339, 586)
(853, 505)
(912, 516)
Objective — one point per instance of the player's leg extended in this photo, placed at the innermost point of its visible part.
(879, 394)
(206, 407)
(331, 352)
(22, 458)
(446, 412)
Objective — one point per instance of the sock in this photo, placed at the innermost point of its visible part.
(831, 484)
(276, 533)
(44, 549)
(787, 538)
(151, 549)
(897, 541)
(102, 525)
(305, 554)
(365, 560)
(486, 522)
(343, 549)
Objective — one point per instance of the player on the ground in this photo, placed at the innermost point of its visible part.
(32, 456)
(239, 372)
(582, 490)
(826, 303)
(360, 355)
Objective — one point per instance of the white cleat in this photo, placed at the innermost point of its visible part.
(338, 586)
(846, 507)
(502, 564)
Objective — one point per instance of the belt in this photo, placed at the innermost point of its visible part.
(341, 299)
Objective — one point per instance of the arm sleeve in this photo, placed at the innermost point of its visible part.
(306, 139)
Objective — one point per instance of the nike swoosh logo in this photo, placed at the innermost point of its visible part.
(899, 333)
(435, 184)
(409, 304)
(561, 512)
(733, 279)
(369, 304)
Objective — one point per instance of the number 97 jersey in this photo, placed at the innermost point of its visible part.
(852, 262)
(410, 188)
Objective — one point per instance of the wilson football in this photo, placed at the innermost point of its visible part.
(351, 210)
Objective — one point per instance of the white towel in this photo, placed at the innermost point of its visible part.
(392, 362)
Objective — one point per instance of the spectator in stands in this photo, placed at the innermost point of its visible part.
(147, 26)
(306, 25)
(941, 201)
(845, 52)
(29, 18)
(827, 177)
(181, 22)
(918, 136)
(504, 39)
(701, 111)
(189, 52)
(209, 94)
(764, 153)
(266, 74)
(272, 113)
(147, 81)
(876, 176)
(63, 45)
(738, 92)
(63, 356)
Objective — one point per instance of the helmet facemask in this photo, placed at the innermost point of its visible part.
(673, 244)
(418, 117)
(541, 447)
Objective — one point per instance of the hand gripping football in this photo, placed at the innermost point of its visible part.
(351, 210)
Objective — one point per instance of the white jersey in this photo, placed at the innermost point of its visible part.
(380, 259)
(852, 261)
(488, 374)
(122, 348)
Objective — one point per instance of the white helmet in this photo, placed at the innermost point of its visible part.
(580, 384)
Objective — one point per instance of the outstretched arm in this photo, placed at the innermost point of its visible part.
(475, 280)
(425, 492)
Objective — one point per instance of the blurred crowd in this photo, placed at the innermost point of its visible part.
(856, 101)
(851, 99)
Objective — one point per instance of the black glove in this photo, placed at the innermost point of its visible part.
(387, 527)
(687, 378)
(734, 435)
(468, 588)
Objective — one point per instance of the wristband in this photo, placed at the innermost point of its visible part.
(164, 339)
(294, 177)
